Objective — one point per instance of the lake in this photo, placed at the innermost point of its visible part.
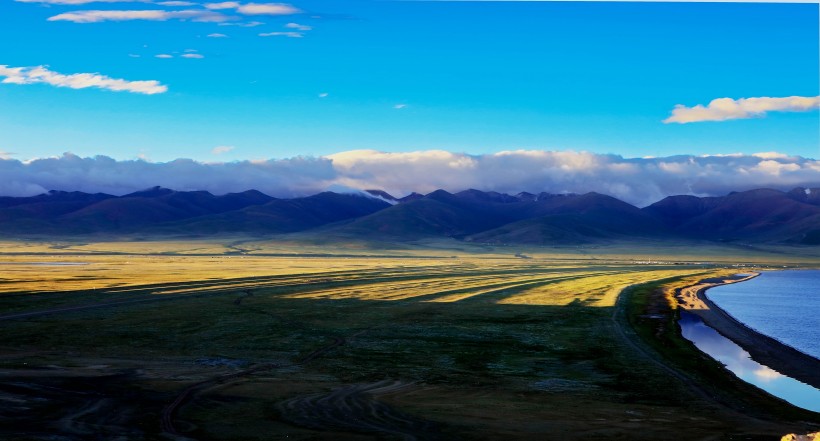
(784, 305)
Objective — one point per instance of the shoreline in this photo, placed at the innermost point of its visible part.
(762, 348)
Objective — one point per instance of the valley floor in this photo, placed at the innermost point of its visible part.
(213, 342)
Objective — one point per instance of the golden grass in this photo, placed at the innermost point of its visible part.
(594, 290)
(553, 276)
(444, 280)
(33, 273)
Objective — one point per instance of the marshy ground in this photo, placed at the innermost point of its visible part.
(248, 341)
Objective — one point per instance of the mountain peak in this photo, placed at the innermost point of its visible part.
(152, 192)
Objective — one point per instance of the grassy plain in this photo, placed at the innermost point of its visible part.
(250, 339)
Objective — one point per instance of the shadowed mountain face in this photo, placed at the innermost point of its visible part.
(762, 215)
(499, 218)
(282, 215)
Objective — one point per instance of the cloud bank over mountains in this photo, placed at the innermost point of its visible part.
(636, 180)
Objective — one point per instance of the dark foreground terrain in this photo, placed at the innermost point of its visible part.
(416, 346)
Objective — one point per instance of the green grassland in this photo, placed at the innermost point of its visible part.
(251, 339)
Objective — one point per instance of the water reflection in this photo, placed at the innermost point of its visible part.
(740, 363)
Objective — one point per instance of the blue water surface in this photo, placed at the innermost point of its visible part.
(741, 364)
(784, 305)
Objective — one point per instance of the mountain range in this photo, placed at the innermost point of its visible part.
(755, 216)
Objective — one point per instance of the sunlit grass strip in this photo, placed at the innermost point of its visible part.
(120, 272)
(596, 290)
(505, 287)
(393, 290)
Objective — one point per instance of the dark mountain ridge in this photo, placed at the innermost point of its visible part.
(762, 215)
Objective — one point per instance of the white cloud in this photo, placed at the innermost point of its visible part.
(282, 34)
(771, 155)
(766, 374)
(267, 9)
(41, 74)
(80, 2)
(280, 177)
(190, 55)
(722, 109)
(247, 24)
(636, 180)
(134, 55)
(222, 149)
(298, 27)
(217, 35)
(400, 106)
(222, 5)
(176, 3)
(323, 95)
(164, 56)
(85, 2)
(153, 15)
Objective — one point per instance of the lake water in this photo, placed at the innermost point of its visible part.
(741, 364)
(784, 305)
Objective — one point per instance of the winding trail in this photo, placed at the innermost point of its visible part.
(623, 330)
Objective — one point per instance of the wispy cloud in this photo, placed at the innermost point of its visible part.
(176, 3)
(222, 149)
(636, 180)
(267, 9)
(85, 2)
(41, 74)
(245, 24)
(217, 35)
(151, 15)
(298, 32)
(298, 27)
(323, 95)
(164, 56)
(80, 2)
(399, 106)
(288, 34)
(192, 55)
(723, 109)
(222, 5)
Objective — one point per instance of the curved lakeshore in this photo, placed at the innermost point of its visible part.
(762, 348)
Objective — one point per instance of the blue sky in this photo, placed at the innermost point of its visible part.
(472, 77)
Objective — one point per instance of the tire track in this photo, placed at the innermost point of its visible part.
(356, 408)
(168, 414)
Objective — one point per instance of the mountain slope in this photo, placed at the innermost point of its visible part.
(156, 205)
(754, 216)
(575, 219)
(281, 215)
(757, 215)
